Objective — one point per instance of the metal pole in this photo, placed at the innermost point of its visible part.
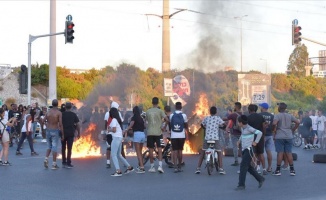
(314, 41)
(166, 37)
(52, 56)
(241, 42)
(29, 71)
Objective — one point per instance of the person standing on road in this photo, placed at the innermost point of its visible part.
(116, 128)
(54, 125)
(314, 133)
(257, 121)
(26, 133)
(5, 125)
(283, 135)
(179, 132)
(154, 117)
(248, 141)
(137, 124)
(70, 124)
(269, 142)
(212, 125)
(321, 125)
(305, 129)
(234, 131)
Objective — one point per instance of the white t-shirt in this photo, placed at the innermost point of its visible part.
(181, 134)
(212, 124)
(118, 132)
(106, 116)
(314, 122)
(321, 123)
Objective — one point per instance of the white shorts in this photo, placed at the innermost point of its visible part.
(321, 134)
(5, 137)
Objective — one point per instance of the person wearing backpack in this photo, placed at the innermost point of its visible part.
(235, 131)
(179, 131)
(5, 125)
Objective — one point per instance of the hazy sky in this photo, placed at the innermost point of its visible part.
(109, 32)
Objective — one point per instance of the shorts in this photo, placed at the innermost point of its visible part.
(52, 138)
(217, 146)
(177, 143)
(260, 147)
(320, 134)
(152, 139)
(269, 143)
(108, 142)
(5, 137)
(139, 137)
(283, 145)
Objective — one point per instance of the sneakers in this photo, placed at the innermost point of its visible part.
(152, 170)
(239, 188)
(140, 170)
(108, 165)
(292, 172)
(6, 163)
(69, 166)
(18, 153)
(160, 169)
(43, 141)
(277, 173)
(64, 165)
(197, 171)
(34, 154)
(178, 169)
(285, 168)
(116, 174)
(261, 182)
(129, 169)
(265, 172)
(236, 163)
(46, 163)
(269, 170)
(54, 167)
(221, 171)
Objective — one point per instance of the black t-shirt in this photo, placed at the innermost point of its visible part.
(256, 121)
(69, 121)
(269, 118)
(304, 127)
(138, 124)
(16, 114)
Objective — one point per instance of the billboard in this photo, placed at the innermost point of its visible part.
(181, 89)
(254, 88)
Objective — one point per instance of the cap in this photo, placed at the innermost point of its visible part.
(264, 105)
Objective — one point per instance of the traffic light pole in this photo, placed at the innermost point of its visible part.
(314, 41)
(31, 39)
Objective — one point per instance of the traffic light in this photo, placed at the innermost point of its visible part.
(296, 34)
(23, 80)
(69, 32)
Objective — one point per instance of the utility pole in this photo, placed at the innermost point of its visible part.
(53, 53)
(240, 18)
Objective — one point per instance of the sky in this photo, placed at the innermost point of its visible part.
(110, 32)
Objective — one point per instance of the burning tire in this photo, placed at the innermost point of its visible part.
(319, 158)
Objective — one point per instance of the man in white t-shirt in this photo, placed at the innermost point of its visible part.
(179, 130)
(321, 124)
(312, 115)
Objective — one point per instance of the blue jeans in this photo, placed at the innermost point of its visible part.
(67, 144)
(52, 138)
(116, 146)
(246, 166)
(22, 139)
(235, 139)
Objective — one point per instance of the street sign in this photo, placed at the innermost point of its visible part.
(295, 22)
(69, 18)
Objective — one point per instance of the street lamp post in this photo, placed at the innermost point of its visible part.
(265, 64)
(240, 18)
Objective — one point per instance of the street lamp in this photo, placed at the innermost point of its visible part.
(240, 18)
(265, 64)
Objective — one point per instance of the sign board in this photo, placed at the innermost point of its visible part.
(168, 87)
(181, 90)
(254, 88)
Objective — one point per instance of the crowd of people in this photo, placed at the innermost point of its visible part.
(251, 132)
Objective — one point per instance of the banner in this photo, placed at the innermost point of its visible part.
(168, 87)
(181, 90)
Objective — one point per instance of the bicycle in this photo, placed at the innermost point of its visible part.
(297, 139)
(14, 136)
(211, 157)
(166, 153)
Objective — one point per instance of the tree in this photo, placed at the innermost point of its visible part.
(298, 60)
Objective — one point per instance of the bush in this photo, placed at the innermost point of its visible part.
(10, 101)
(34, 94)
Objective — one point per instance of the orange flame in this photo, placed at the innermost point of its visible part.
(187, 149)
(85, 145)
(200, 112)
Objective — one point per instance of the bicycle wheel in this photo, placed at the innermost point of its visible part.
(216, 161)
(167, 157)
(297, 141)
(210, 165)
(145, 156)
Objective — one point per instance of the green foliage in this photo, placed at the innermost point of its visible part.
(298, 60)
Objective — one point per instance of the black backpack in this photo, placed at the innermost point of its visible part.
(177, 122)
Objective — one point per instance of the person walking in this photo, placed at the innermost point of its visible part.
(70, 124)
(154, 117)
(26, 132)
(248, 141)
(321, 127)
(137, 124)
(116, 128)
(5, 125)
(54, 125)
(283, 135)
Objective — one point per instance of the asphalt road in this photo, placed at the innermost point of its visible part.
(89, 179)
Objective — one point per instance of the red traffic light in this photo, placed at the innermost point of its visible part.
(70, 26)
(297, 29)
